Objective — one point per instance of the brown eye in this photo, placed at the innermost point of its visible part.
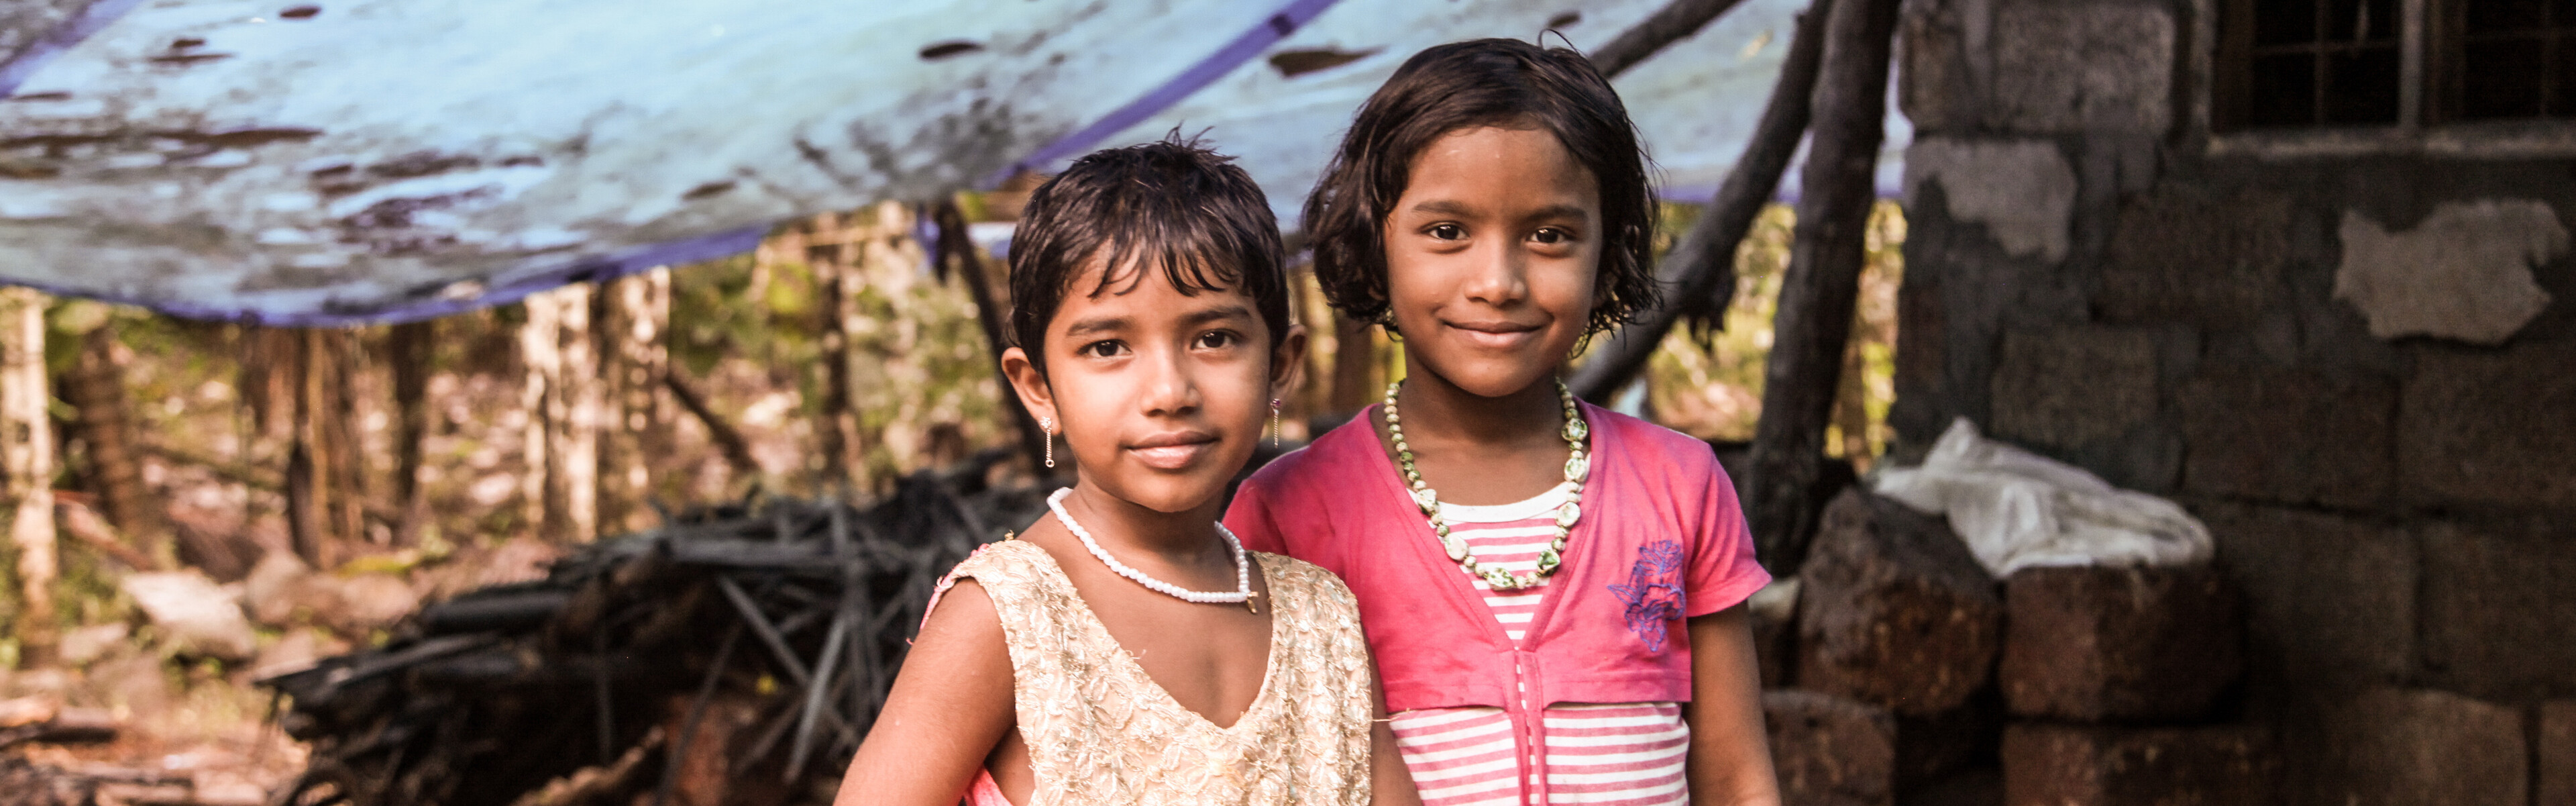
(1107, 348)
(1447, 232)
(1218, 339)
(1551, 235)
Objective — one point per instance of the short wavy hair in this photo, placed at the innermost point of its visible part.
(1463, 85)
(1171, 206)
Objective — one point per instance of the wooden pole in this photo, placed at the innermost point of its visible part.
(1816, 296)
(1700, 270)
(957, 251)
(27, 450)
(1667, 25)
(635, 313)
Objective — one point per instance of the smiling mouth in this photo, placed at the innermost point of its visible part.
(1495, 334)
(1172, 452)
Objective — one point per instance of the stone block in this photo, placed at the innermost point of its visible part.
(2491, 427)
(2392, 746)
(1894, 611)
(1931, 748)
(2113, 644)
(1933, 85)
(2180, 256)
(2066, 387)
(1830, 751)
(2068, 67)
(2556, 754)
(2053, 765)
(2498, 609)
(2290, 436)
(2327, 600)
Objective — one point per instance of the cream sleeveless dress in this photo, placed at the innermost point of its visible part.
(1100, 731)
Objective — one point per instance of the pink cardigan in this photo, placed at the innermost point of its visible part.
(1661, 539)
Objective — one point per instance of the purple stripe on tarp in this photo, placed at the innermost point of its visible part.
(63, 38)
(1272, 29)
(432, 303)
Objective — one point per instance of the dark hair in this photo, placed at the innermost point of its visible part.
(1172, 206)
(1462, 85)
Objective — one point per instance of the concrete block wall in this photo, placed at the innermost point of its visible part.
(2360, 369)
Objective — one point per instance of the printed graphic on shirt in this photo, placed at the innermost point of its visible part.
(1653, 591)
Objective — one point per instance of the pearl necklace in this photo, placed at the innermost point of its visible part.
(1577, 468)
(1242, 568)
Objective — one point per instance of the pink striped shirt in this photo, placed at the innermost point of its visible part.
(1616, 753)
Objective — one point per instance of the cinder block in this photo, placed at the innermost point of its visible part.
(2063, 68)
(1829, 750)
(2181, 255)
(2328, 601)
(2498, 612)
(2414, 746)
(2290, 436)
(2557, 754)
(1932, 748)
(2491, 426)
(2106, 644)
(2070, 386)
(2054, 765)
(1893, 610)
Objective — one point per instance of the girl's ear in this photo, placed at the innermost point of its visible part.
(1030, 384)
(1288, 363)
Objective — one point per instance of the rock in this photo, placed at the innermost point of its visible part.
(369, 601)
(2401, 746)
(2463, 273)
(1829, 750)
(1932, 748)
(2066, 387)
(193, 613)
(2177, 255)
(80, 646)
(22, 711)
(296, 651)
(268, 591)
(1774, 613)
(2050, 765)
(2093, 644)
(1894, 611)
(2557, 753)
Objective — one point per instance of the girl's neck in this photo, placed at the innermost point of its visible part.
(1436, 410)
(1125, 527)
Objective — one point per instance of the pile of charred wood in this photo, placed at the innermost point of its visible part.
(735, 655)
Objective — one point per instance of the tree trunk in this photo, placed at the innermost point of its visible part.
(957, 250)
(1822, 283)
(1354, 360)
(836, 421)
(411, 349)
(635, 312)
(563, 397)
(1700, 270)
(27, 450)
(103, 419)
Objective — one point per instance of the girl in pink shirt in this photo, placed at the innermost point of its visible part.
(1553, 592)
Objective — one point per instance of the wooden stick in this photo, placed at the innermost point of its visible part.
(1823, 280)
(1700, 271)
(956, 248)
(1667, 25)
(737, 450)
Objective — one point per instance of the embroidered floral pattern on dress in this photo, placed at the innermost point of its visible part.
(1100, 731)
(1653, 591)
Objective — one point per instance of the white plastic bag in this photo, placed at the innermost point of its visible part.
(2016, 509)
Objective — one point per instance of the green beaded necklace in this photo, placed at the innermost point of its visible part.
(1577, 467)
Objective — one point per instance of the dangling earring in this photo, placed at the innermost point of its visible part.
(1047, 424)
(1274, 422)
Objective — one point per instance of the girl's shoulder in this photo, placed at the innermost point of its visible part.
(1290, 576)
(1635, 441)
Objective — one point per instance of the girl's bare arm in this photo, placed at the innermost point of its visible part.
(1730, 754)
(951, 704)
